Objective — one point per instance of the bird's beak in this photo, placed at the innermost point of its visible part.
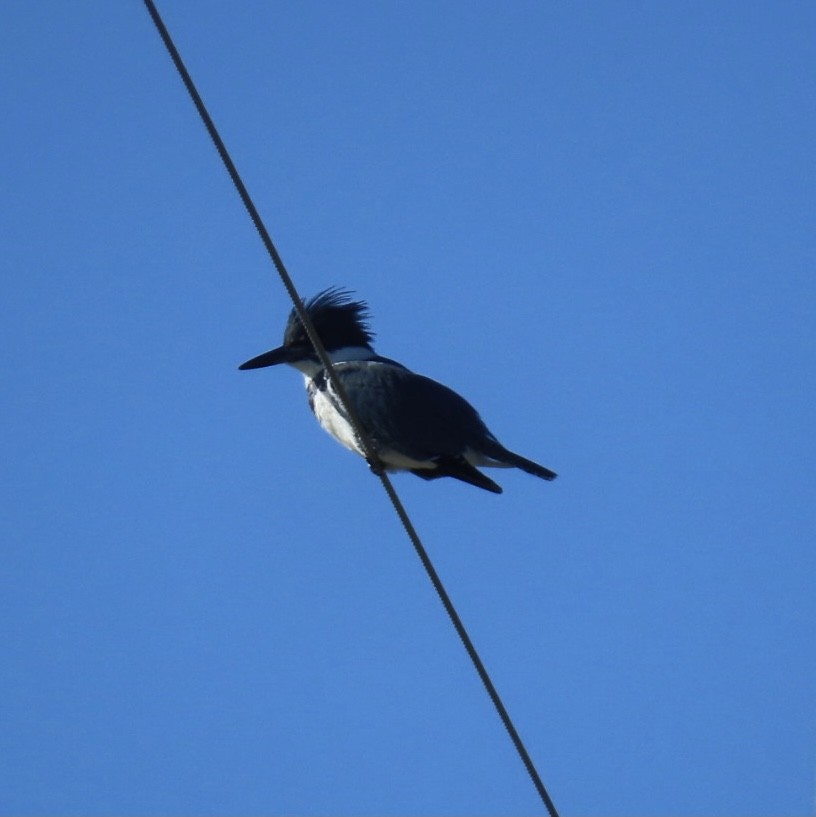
(272, 358)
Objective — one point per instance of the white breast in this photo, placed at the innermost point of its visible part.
(330, 418)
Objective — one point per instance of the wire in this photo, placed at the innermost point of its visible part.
(363, 438)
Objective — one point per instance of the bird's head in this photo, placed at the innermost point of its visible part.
(340, 322)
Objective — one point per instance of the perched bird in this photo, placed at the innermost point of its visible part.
(414, 423)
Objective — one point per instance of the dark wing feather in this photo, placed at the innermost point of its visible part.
(403, 405)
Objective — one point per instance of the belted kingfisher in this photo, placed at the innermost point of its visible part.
(414, 423)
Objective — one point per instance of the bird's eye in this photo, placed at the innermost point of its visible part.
(300, 341)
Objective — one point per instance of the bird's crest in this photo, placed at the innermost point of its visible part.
(339, 321)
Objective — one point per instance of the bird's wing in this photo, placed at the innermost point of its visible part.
(411, 414)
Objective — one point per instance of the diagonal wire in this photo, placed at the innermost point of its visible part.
(363, 438)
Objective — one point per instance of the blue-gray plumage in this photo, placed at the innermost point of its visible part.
(414, 423)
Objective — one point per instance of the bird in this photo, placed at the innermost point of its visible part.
(414, 423)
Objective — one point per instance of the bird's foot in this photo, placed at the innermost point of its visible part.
(376, 467)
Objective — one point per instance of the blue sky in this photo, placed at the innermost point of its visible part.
(594, 221)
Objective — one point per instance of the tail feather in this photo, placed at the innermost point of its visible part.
(499, 452)
(458, 468)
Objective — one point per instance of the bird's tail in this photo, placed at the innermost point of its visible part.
(459, 469)
(498, 452)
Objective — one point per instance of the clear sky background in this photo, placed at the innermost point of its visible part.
(595, 221)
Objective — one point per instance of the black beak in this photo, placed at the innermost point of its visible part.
(280, 355)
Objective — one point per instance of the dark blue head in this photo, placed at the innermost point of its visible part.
(341, 323)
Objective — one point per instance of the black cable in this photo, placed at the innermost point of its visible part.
(362, 436)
